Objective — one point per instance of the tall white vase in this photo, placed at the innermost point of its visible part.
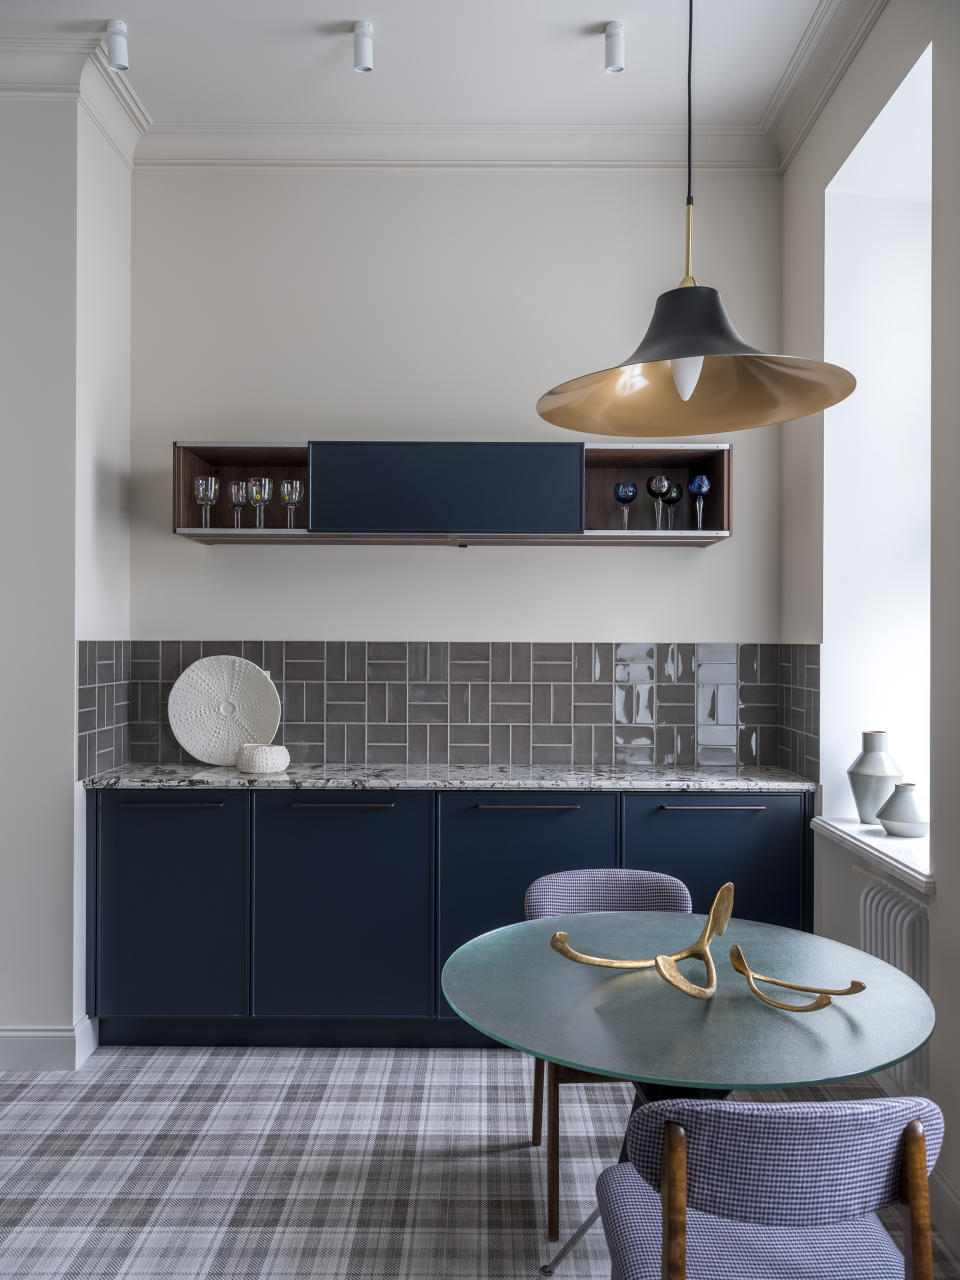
(873, 775)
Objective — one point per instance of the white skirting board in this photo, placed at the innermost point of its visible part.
(47, 1048)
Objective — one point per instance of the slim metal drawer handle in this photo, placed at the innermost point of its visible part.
(553, 808)
(714, 808)
(187, 804)
(304, 805)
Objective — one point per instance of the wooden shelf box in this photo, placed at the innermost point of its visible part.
(590, 483)
(608, 465)
(230, 462)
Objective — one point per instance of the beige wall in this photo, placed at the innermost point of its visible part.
(102, 441)
(65, 373)
(37, 652)
(904, 29)
(280, 304)
(103, 385)
(945, 596)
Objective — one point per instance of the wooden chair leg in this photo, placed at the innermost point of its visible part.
(553, 1152)
(537, 1102)
(915, 1197)
(673, 1203)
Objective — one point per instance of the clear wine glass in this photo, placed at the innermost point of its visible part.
(625, 492)
(699, 486)
(670, 500)
(206, 490)
(260, 491)
(239, 500)
(291, 495)
(657, 486)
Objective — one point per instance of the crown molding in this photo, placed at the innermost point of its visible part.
(68, 68)
(75, 70)
(43, 68)
(831, 41)
(383, 145)
(112, 103)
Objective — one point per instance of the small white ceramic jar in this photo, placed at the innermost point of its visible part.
(262, 757)
(901, 815)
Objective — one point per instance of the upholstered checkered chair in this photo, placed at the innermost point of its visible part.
(772, 1191)
(568, 893)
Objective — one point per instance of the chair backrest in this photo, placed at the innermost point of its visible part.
(604, 889)
(786, 1163)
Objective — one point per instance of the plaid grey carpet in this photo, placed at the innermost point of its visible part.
(239, 1163)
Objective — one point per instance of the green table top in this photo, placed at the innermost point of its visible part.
(511, 985)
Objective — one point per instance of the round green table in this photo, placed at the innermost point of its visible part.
(511, 985)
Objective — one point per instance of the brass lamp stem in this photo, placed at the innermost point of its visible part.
(688, 279)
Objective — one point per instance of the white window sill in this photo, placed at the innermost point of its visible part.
(904, 860)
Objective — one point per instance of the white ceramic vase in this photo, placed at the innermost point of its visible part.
(873, 775)
(262, 757)
(900, 815)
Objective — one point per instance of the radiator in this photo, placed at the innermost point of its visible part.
(895, 926)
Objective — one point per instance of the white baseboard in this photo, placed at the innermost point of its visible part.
(47, 1048)
(87, 1032)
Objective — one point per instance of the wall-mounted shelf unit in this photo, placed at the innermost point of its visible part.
(584, 477)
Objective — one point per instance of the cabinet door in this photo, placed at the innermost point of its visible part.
(389, 487)
(493, 844)
(757, 841)
(343, 903)
(172, 904)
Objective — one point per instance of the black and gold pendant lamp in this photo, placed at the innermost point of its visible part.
(693, 374)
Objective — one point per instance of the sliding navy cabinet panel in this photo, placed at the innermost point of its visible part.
(757, 841)
(172, 904)
(388, 487)
(343, 896)
(493, 844)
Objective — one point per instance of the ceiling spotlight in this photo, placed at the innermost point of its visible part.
(362, 46)
(613, 48)
(117, 58)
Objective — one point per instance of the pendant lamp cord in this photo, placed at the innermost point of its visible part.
(688, 271)
(690, 105)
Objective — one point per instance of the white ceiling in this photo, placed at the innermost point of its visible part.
(441, 63)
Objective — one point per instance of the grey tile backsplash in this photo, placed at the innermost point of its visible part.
(103, 705)
(479, 703)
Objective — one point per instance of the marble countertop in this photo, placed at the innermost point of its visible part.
(457, 778)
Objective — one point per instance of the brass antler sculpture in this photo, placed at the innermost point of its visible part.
(717, 922)
(823, 994)
(715, 925)
(666, 966)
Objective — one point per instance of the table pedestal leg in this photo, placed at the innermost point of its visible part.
(643, 1093)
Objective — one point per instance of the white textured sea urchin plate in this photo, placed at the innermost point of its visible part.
(219, 703)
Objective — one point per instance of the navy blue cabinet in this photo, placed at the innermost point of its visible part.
(172, 876)
(302, 916)
(343, 900)
(757, 841)
(432, 487)
(493, 844)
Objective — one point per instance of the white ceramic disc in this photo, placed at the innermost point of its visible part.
(218, 704)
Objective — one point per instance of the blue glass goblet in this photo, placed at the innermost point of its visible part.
(625, 493)
(699, 486)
